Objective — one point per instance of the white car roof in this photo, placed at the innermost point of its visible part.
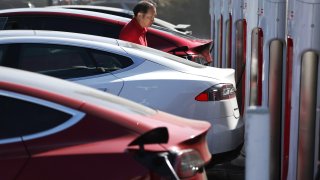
(59, 34)
(114, 45)
(60, 37)
(12, 36)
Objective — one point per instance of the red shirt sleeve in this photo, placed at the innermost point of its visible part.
(125, 34)
(132, 32)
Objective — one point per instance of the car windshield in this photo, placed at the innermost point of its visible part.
(160, 54)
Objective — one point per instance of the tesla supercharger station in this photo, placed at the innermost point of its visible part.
(212, 31)
(251, 19)
(302, 90)
(225, 30)
(235, 16)
(278, 42)
(250, 9)
(215, 16)
(235, 41)
(235, 47)
(219, 18)
(216, 30)
(271, 36)
(265, 59)
(228, 35)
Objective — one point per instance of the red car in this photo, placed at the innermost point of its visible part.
(54, 129)
(87, 22)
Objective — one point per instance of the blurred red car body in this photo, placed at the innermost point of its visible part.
(54, 129)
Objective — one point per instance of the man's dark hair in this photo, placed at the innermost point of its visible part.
(143, 7)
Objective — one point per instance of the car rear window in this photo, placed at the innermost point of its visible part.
(3, 21)
(113, 12)
(3, 49)
(110, 61)
(19, 117)
(63, 23)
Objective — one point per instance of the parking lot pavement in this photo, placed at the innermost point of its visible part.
(232, 169)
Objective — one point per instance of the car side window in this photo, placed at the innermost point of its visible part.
(110, 62)
(65, 23)
(57, 60)
(19, 117)
(3, 49)
(23, 22)
(77, 25)
(3, 21)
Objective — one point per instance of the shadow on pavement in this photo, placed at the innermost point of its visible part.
(228, 166)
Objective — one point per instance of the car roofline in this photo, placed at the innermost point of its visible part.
(94, 7)
(57, 34)
(62, 10)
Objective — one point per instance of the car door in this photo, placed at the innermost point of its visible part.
(13, 155)
(62, 61)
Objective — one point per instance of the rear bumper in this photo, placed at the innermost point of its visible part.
(222, 137)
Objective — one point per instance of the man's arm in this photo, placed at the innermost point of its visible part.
(126, 35)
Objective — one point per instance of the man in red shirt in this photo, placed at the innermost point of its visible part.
(135, 31)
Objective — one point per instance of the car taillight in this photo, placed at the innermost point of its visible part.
(198, 59)
(217, 92)
(188, 163)
(175, 164)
